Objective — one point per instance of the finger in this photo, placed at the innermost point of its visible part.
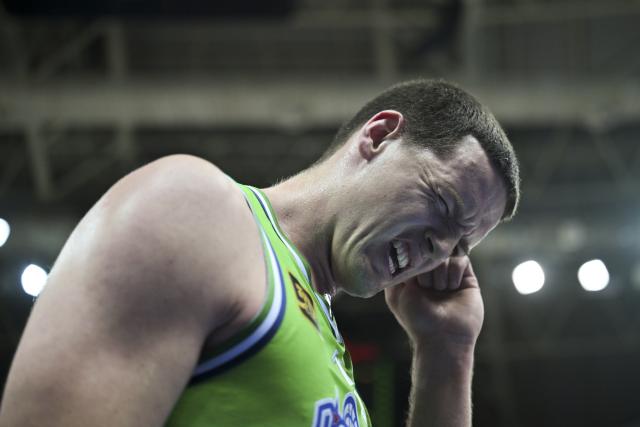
(457, 267)
(440, 276)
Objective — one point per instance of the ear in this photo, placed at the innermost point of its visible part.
(376, 134)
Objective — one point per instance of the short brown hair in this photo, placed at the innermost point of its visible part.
(438, 114)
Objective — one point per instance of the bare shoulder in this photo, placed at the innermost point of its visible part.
(187, 222)
(167, 256)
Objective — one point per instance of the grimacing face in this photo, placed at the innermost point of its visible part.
(408, 211)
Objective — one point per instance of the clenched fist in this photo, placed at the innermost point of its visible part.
(440, 307)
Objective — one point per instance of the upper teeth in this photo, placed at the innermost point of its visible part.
(403, 253)
(392, 268)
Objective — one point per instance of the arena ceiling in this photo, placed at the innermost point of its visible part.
(85, 99)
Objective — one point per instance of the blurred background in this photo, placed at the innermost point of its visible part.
(91, 90)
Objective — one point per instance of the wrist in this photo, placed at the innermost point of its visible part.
(462, 346)
(445, 355)
(444, 371)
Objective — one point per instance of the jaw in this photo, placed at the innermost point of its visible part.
(357, 280)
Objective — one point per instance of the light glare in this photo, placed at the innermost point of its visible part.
(5, 231)
(593, 275)
(528, 277)
(33, 280)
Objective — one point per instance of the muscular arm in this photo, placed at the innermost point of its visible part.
(136, 290)
(442, 313)
(441, 388)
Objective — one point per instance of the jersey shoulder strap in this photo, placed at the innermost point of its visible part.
(259, 331)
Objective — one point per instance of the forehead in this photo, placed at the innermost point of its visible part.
(468, 177)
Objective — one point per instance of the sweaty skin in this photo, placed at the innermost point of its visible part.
(377, 188)
(145, 281)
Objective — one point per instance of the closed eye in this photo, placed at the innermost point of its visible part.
(443, 202)
(449, 214)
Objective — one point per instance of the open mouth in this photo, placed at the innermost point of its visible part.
(398, 257)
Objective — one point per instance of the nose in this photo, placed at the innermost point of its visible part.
(440, 247)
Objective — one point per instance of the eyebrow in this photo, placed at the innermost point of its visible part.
(459, 203)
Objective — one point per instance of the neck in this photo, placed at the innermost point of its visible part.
(302, 205)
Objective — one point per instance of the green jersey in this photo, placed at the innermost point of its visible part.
(289, 366)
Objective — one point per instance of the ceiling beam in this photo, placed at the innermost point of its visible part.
(292, 104)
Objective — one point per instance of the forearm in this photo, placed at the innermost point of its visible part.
(441, 388)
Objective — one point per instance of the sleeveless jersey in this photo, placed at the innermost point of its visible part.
(289, 366)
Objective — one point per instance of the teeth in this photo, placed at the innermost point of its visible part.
(403, 253)
(392, 268)
(403, 261)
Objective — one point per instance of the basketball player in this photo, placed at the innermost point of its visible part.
(183, 298)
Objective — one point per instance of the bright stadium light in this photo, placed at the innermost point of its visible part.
(33, 280)
(5, 231)
(593, 275)
(528, 277)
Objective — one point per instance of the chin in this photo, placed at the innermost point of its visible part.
(370, 293)
(360, 288)
(358, 282)
(360, 293)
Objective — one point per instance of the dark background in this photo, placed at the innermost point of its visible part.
(88, 93)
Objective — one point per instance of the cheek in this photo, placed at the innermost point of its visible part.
(414, 207)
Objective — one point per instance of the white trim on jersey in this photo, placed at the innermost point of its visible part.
(297, 258)
(299, 262)
(260, 331)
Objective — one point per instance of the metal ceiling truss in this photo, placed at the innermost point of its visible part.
(42, 104)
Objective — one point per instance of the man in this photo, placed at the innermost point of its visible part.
(187, 299)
